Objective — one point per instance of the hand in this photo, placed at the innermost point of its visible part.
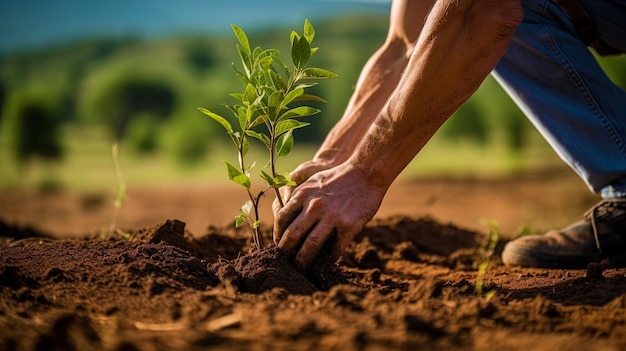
(301, 174)
(338, 201)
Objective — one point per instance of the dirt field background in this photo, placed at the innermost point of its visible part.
(408, 281)
(537, 201)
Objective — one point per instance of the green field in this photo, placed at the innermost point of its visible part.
(88, 163)
(144, 94)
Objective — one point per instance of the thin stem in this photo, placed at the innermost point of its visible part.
(258, 237)
(121, 192)
(273, 165)
(256, 234)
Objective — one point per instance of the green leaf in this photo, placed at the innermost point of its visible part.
(240, 74)
(292, 95)
(259, 120)
(256, 53)
(294, 36)
(317, 73)
(282, 83)
(275, 99)
(283, 179)
(259, 136)
(309, 31)
(268, 178)
(256, 224)
(242, 117)
(309, 97)
(300, 52)
(301, 111)
(245, 146)
(290, 181)
(305, 85)
(283, 127)
(237, 176)
(242, 37)
(263, 62)
(273, 79)
(245, 60)
(274, 104)
(284, 144)
(219, 119)
(239, 219)
(282, 66)
(238, 96)
(249, 95)
(246, 208)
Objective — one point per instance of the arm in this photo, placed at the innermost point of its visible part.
(378, 78)
(461, 42)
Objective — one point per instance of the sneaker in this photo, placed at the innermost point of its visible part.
(600, 235)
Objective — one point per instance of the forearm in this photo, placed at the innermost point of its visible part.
(378, 79)
(460, 44)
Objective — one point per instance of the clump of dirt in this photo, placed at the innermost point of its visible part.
(253, 271)
(270, 267)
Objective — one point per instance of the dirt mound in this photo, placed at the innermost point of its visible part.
(405, 283)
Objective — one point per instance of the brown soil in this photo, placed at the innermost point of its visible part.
(407, 282)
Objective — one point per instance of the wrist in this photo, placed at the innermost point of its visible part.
(331, 156)
(376, 180)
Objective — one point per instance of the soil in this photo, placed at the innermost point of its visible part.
(408, 281)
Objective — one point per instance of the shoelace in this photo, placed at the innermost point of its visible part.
(602, 208)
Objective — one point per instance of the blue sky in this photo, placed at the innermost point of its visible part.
(26, 24)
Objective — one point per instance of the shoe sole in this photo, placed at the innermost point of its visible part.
(524, 257)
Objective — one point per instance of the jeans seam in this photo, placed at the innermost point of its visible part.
(571, 71)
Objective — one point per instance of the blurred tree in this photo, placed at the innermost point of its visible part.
(126, 94)
(516, 128)
(186, 139)
(199, 57)
(142, 133)
(467, 123)
(32, 127)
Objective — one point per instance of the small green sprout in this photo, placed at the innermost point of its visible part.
(265, 112)
(487, 252)
(121, 192)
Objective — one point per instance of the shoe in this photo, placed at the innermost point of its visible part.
(600, 235)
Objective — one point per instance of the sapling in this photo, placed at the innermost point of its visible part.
(265, 112)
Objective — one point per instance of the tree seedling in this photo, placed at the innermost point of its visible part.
(265, 112)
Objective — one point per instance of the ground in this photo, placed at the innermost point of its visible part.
(177, 275)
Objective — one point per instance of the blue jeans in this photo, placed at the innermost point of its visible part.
(555, 80)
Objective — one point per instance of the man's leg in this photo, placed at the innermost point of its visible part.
(558, 84)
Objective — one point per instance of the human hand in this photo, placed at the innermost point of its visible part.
(301, 174)
(338, 201)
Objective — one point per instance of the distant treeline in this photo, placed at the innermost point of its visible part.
(145, 92)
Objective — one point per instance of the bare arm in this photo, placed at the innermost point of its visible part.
(461, 42)
(459, 46)
(378, 78)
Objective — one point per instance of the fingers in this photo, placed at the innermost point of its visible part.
(313, 244)
(283, 217)
(285, 193)
(295, 231)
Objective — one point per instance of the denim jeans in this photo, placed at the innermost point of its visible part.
(555, 80)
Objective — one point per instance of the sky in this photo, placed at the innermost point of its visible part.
(32, 24)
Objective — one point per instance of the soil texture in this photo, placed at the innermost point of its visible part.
(405, 283)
